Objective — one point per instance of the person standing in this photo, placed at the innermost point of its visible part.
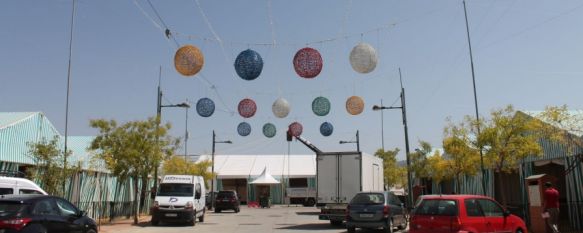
(551, 206)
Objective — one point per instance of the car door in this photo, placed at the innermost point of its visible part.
(47, 212)
(474, 218)
(494, 216)
(69, 216)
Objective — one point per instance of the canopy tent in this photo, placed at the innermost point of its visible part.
(265, 178)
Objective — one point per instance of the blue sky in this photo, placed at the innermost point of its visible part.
(526, 53)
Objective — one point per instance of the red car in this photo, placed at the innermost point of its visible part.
(462, 214)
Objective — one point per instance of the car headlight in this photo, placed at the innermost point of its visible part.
(188, 205)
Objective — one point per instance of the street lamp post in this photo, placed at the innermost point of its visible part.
(404, 115)
(186, 132)
(159, 107)
(357, 142)
(213, 168)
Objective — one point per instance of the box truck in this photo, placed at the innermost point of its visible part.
(340, 176)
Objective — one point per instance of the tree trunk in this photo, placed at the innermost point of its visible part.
(501, 188)
(135, 206)
(457, 184)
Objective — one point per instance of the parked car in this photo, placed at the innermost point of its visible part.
(462, 213)
(16, 185)
(227, 200)
(375, 210)
(209, 200)
(42, 213)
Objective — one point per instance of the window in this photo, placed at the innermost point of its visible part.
(178, 190)
(394, 200)
(4, 191)
(437, 207)
(473, 208)
(29, 191)
(197, 191)
(10, 208)
(490, 208)
(66, 208)
(44, 207)
(368, 198)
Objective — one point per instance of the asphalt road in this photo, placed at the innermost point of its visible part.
(278, 219)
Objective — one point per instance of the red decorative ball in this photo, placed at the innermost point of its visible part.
(308, 62)
(247, 108)
(295, 129)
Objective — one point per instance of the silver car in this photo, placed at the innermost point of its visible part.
(375, 210)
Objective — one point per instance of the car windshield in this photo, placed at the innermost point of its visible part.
(8, 209)
(368, 199)
(225, 194)
(437, 207)
(179, 190)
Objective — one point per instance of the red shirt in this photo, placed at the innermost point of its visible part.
(551, 198)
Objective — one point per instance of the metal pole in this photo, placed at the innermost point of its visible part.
(67, 98)
(382, 128)
(475, 100)
(186, 136)
(158, 119)
(357, 142)
(409, 177)
(213, 173)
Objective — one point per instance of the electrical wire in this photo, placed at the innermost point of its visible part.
(167, 30)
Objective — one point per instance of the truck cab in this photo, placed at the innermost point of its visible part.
(179, 199)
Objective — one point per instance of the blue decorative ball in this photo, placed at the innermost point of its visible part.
(205, 107)
(326, 129)
(248, 64)
(269, 130)
(244, 129)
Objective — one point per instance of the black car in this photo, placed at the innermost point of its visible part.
(227, 200)
(375, 210)
(42, 213)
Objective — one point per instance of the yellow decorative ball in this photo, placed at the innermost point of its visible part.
(354, 105)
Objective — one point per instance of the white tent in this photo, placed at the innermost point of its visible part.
(265, 178)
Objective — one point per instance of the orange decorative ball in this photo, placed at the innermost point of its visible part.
(188, 60)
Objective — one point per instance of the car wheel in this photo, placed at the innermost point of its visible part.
(336, 222)
(351, 229)
(192, 222)
(217, 210)
(389, 227)
(91, 231)
(155, 222)
(201, 218)
(403, 224)
(237, 210)
(519, 230)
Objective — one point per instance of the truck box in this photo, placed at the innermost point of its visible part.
(340, 176)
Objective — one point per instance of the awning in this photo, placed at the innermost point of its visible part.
(265, 178)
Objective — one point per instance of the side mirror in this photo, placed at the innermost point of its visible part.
(506, 213)
(197, 196)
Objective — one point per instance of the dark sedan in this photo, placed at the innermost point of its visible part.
(375, 210)
(42, 213)
(227, 200)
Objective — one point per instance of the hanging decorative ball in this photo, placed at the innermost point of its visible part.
(321, 106)
(280, 108)
(308, 62)
(354, 105)
(326, 129)
(205, 107)
(247, 108)
(188, 60)
(269, 130)
(249, 64)
(295, 129)
(363, 58)
(244, 129)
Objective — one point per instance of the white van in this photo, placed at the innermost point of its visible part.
(14, 185)
(179, 199)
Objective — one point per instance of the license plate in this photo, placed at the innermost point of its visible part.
(366, 215)
(171, 215)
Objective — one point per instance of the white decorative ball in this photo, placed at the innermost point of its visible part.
(280, 108)
(363, 58)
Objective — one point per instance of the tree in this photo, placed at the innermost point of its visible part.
(133, 150)
(49, 161)
(507, 139)
(418, 160)
(438, 167)
(394, 175)
(462, 154)
(560, 125)
(177, 165)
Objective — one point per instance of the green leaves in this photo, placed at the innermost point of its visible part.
(393, 174)
(49, 170)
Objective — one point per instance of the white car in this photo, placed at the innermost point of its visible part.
(14, 185)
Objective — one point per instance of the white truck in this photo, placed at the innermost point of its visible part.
(340, 176)
(304, 195)
(179, 199)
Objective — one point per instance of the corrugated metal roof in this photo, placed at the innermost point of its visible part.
(243, 166)
(79, 146)
(11, 118)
